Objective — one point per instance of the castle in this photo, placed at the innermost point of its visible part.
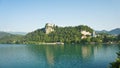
(49, 28)
(85, 34)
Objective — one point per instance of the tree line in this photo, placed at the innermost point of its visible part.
(61, 34)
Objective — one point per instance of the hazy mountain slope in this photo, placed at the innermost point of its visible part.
(115, 31)
(18, 33)
(3, 34)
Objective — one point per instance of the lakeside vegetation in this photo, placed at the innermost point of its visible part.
(68, 35)
(116, 64)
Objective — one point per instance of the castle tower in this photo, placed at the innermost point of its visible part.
(93, 34)
(49, 28)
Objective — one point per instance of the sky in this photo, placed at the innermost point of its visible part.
(29, 15)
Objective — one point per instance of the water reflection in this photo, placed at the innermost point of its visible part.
(86, 52)
(50, 56)
(75, 55)
(57, 56)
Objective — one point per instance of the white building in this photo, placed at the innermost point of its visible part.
(93, 34)
(85, 34)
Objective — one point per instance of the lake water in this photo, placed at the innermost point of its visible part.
(57, 56)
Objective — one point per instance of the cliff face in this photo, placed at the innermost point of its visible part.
(49, 28)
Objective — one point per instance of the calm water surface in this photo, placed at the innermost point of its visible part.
(53, 56)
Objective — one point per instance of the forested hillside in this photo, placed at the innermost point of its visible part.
(60, 34)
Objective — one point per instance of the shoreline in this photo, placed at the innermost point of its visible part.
(45, 43)
(58, 43)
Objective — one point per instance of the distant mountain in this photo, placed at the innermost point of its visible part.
(10, 38)
(115, 31)
(103, 31)
(18, 33)
(3, 34)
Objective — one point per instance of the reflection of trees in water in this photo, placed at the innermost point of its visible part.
(55, 55)
(68, 54)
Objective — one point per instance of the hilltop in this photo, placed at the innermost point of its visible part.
(54, 33)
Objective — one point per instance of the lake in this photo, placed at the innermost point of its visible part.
(57, 56)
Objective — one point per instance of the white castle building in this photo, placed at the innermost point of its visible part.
(49, 28)
(85, 34)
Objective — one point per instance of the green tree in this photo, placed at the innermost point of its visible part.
(116, 64)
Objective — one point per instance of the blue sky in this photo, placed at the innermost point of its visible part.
(29, 15)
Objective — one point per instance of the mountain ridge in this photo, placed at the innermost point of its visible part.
(115, 31)
(17, 33)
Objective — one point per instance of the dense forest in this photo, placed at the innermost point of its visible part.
(61, 34)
